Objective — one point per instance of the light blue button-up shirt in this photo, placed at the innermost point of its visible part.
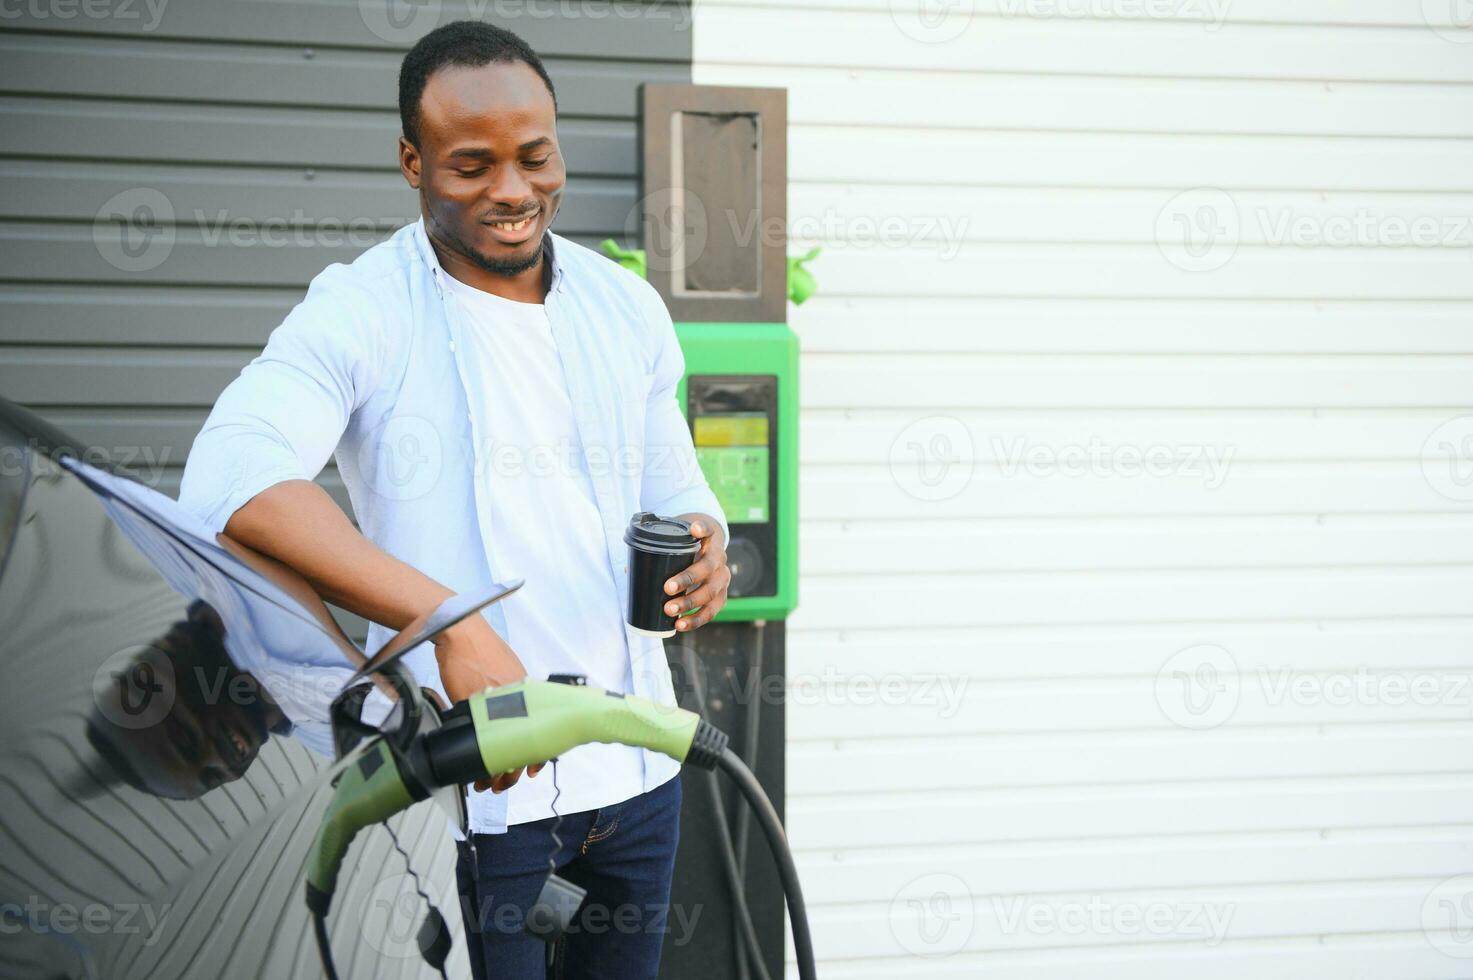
(367, 368)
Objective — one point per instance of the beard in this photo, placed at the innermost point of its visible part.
(505, 267)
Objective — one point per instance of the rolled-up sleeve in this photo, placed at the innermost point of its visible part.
(282, 417)
(672, 480)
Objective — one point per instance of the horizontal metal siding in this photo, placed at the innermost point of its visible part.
(1022, 762)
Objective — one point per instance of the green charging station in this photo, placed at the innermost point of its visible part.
(711, 238)
(740, 395)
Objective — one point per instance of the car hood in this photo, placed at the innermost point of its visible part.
(165, 746)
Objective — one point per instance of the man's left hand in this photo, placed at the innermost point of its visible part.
(705, 582)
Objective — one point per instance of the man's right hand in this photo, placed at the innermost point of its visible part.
(472, 658)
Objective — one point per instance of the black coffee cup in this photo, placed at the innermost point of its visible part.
(659, 549)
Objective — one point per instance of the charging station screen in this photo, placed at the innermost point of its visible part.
(732, 450)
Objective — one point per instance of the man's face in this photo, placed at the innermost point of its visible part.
(487, 166)
(218, 718)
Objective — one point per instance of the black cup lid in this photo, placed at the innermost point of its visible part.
(654, 533)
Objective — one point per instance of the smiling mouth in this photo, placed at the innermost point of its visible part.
(513, 226)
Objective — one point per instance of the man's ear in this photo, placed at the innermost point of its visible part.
(409, 162)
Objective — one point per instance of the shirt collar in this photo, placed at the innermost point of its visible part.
(432, 261)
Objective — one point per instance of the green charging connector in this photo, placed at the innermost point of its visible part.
(498, 730)
(370, 789)
(506, 728)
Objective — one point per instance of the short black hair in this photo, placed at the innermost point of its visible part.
(463, 43)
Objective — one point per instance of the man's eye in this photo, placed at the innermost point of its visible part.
(535, 164)
(471, 173)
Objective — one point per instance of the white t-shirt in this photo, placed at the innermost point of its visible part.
(545, 528)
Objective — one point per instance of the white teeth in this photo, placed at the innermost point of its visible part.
(512, 225)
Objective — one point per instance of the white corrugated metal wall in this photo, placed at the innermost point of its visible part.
(1137, 605)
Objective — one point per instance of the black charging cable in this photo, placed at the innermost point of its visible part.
(745, 930)
(772, 826)
(777, 839)
(742, 834)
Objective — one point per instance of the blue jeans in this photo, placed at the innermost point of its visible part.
(623, 854)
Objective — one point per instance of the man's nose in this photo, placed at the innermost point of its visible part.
(510, 186)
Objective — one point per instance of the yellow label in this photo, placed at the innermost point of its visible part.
(747, 429)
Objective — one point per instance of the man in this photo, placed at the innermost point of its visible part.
(500, 402)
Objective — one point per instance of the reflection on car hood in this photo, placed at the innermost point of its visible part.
(156, 820)
(270, 631)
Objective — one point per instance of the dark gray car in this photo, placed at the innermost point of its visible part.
(165, 748)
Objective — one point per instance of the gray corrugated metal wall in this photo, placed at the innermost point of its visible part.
(278, 114)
